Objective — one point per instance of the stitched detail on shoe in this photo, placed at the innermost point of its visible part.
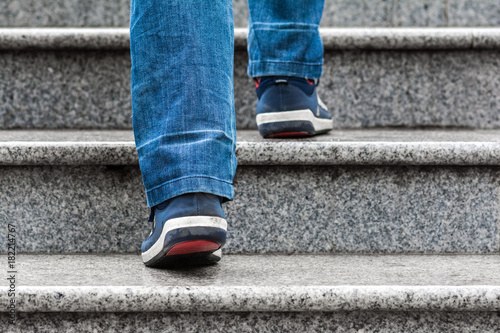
(286, 62)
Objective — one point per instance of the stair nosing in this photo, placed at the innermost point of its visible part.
(253, 299)
(383, 38)
(253, 150)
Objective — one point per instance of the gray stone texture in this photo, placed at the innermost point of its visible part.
(91, 89)
(278, 209)
(64, 13)
(398, 88)
(339, 147)
(368, 293)
(422, 13)
(355, 321)
(246, 297)
(65, 89)
(418, 39)
(64, 38)
(264, 270)
(376, 13)
(338, 39)
(260, 283)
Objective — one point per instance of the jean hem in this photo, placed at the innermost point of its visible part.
(269, 68)
(192, 184)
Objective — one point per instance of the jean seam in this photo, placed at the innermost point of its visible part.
(284, 29)
(286, 62)
(184, 178)
(283, 24)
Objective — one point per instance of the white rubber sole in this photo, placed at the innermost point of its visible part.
(183, 222)
(298, 115)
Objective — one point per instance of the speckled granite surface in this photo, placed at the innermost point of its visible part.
(261, 283)
(410, 13)
(410, 38)
(91, 89)
(367, 89)
(248, 298)
(333, 38)
(20, 13)
(262, 271)
(72, 13)
(330, 209)
(358, 321)
(340, 147)
(64, 38)
(65, 89)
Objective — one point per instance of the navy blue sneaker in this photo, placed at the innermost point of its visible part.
(187, 230)
(290, 107)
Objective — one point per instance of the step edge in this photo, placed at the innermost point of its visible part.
(459, 153)
(334, 39)
(253, 298)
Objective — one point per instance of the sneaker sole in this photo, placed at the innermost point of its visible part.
(187, 241)
(292, 124)
(188, 260)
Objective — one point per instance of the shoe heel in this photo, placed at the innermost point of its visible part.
(191, 247)
(286, 129)
(186, 241)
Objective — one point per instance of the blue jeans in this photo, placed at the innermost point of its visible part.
(182, 83)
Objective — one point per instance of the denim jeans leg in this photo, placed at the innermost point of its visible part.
(284, 38)
(182, 96)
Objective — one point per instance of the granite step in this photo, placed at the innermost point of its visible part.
(342, 13)
(386, 77)
(352, 191)
(309, 293)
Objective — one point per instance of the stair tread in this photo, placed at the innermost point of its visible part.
(336, 135)
(120, 282)
(340, 147)
(263, 270)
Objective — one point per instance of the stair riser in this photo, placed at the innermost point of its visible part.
(386, 209)
(362, 321)
(91, 89)
(108, 13)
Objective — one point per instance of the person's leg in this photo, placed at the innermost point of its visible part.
(284, 38)
(183, 104)
(182, 96)
(285, 55)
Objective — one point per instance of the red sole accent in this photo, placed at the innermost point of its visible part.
(288, 134)
(193, 247)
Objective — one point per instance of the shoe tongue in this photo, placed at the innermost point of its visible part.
(282, 79)
(267, 81)
(274, 79)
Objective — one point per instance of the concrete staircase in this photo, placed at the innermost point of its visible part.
(390, 223)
